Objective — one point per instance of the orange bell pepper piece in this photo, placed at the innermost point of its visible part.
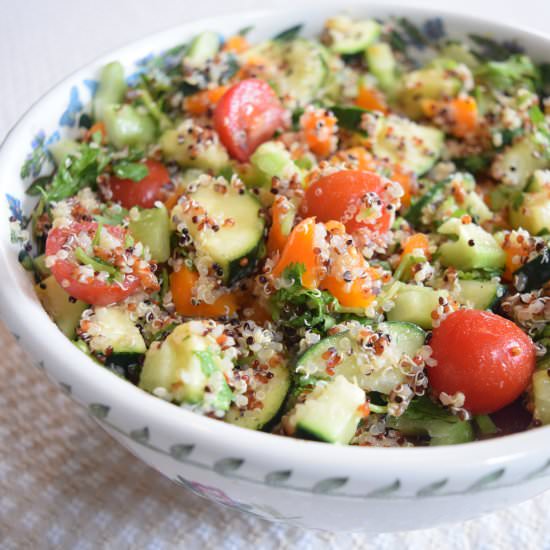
(299, 250)
(236, 44)
(277, 237)
(199, 103)
(418, 241)
(182, 283)
(371, 99)
(320, 128)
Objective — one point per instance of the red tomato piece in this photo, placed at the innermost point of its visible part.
(248, 114)
(142, 193)
(485, 356)
(345, 196)
(67, 273)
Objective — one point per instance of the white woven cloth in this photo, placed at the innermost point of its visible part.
(64, 483)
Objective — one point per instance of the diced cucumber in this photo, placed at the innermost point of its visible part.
(459, 52)
(126, 127)
(270, 395)
(63, 309)
(330, 412)
(534, 274)
(348, 36)
(541, 396)
(202, 48)
(61, 149)
(115, 332)
(380, 373)
(539, 181)
(236, 245)
(473, 248)
(187, 365)
(518, 162)
(111, 89)
(151, 227)
(383, 66)
(407, 144)
(425, 418)
(192, 146)
(273, 160)
(295, 80)
(414, 304)
(476, 207)
(428, 83)
(533, 213)
(480, 294)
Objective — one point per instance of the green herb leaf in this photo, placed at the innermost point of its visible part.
(289, 34)
(135, 171)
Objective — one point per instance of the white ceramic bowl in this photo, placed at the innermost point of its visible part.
(299, 482)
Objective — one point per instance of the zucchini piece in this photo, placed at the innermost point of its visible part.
(480, 294)
(193, 146)
(476, 207)
(461, 53)
(414, 304)
(189, 367)
(151, 227)
(235, 246)
(534, 274)
(345, 35)
(380, 374)
(114, 332)
(433, 195)
(533, 214)
(383, 66)
(295, 80)
(473, 248)
(518, 162)
(432, 82)
(271, 396)
(349, 117)
(111, 89)
(331, 412)
(272, 159)
(406, 143)
(64, 311)
(202, 48)
(539, 181)
(541, 396)
(425, 418)
(126, 127)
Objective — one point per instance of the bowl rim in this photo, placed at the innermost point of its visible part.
(132, 401)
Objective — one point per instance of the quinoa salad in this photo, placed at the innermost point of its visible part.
(322, 238)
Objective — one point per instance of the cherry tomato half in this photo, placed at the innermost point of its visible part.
(67, 273)
(344, 196)
(486, 357)
(248, 114)
(142, 193)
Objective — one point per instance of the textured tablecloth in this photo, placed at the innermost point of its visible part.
(64, 483)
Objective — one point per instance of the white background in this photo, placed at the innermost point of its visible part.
(43, 41)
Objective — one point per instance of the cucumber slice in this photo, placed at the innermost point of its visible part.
(434, 82)
(330, 413)
(480, 294)
(273, 160)
(271, 396)
(433, 195)
(61, 149)
(295, 80)
(406, 143)
(533, 274)
(518, 162)
(202, 48)
(115, 332)
(111, 89)
(533, 214)
(126, 127)
(379, 374)
(61, 308)
(189, 368)
(383, 66)
(345, 35)
(414, 304)
(476, 207)
(425, 418)
(234, 246)
(151, 227)
(541, 396)
(193, 146)
(473, 248)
